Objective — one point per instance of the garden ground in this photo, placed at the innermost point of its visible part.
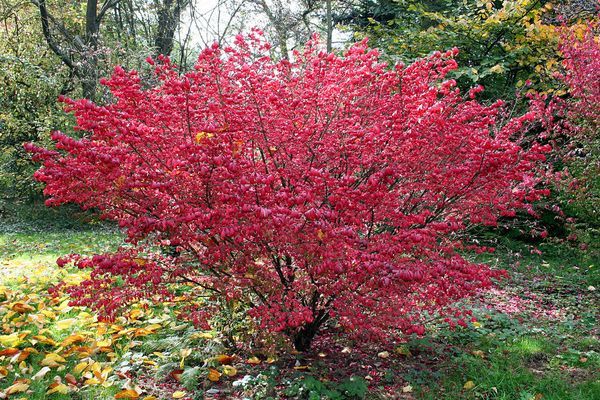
(535, 337)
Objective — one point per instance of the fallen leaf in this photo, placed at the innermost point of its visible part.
(52, 360)
(383, 354)
(176, 374)
(213, 375)
(45, 340)
(17, 387)
(469, 385)
(9, 352)
(71, 340)
(104, 343)
(41, 373)
(65, 323)
(79, 368)
(229, 370)
(178, 394)
(407, 389)
(127, 394)
(224, 359)
(253, 361)
(58, 388)
(22, 308)
(12, 340)
(71, 380)
(202, 335)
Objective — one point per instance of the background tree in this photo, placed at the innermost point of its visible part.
(48, 48)
(503, 44)
(31, 80)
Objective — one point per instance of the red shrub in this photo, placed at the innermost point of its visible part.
(325, 187)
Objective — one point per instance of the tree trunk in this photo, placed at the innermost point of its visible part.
(303, 338)
(169, 13)
(89, 72)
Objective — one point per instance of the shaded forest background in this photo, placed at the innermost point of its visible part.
(51, 48)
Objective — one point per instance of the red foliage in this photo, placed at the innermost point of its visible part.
(581, 52)
(323, 187)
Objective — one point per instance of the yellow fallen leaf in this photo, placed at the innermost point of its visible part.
(45, 340)
(79, 368)
(127, 394)
(135, 314)
(184, 353)
(213, 375)
(150, 398)
(3, 372)
(253, 361)
(202, 335)
(104, 343)
(18, 387)
(58, 388)
(228, 370)
(52, 360)
(65, 323)
(48, 314)
(12, 340)
(178, 394)
(92, 381)
(469, 385)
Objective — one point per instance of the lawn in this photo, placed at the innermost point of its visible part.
(535, 337)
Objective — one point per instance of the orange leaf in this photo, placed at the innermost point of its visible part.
(224, 359)
(11, 351)
(22, 308)
(213, 375)
(176, 374)
(127, 394)
(23, 356)
(71, 340)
